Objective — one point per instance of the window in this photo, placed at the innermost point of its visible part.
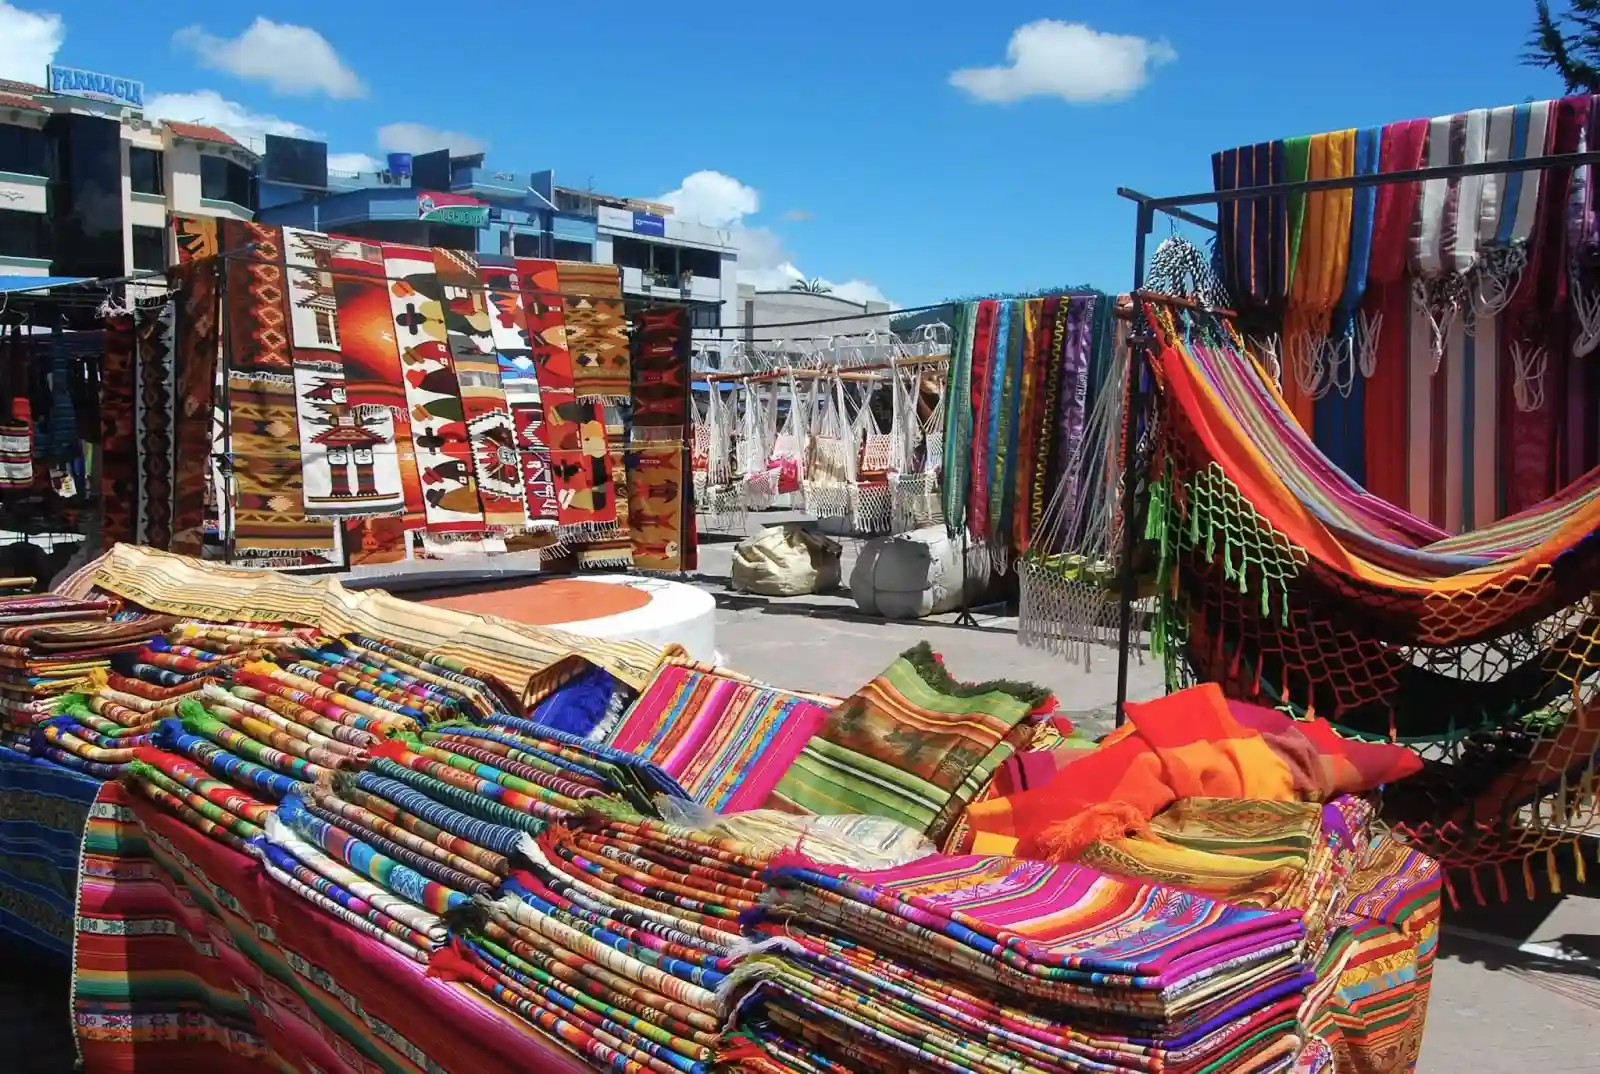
(573, 251)
(453, 237)
(571, 201)
(24, 234)
(705, 264)
(630, 253)
(146, 169)
(705, 317)
(24, 150)
(149, 249)
(664, 265)
(525, 245)
(223, 180)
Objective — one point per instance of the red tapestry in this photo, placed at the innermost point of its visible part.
(119, 470)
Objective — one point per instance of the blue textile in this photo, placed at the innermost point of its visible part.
(579, 705)
(43, 810)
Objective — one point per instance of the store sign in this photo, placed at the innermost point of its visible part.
(647, 224)
(616, 219)
(456, 209)
(75, 82)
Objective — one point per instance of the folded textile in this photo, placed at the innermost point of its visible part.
(363, 859)
(1188, 744)
(727, 739)
(386, 905)
(854, 841)
(1051, 931)
(616, 936)
(913, 745)
(579, 705)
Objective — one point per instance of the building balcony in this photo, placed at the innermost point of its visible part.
(490, 183)
(660, 285)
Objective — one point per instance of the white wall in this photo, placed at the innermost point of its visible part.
(142, 211)
(183, 180)
(24, 195)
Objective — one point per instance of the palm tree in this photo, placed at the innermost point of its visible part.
(814, 286)
(1573, 54)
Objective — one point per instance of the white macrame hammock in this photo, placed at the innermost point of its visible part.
(758, 483)
(914, 484)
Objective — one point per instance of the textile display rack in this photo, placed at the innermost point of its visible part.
(832, 463)
(1277, 576)
(51, 452)
(374, 403)
(340, 831)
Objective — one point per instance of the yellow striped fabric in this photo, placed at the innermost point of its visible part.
(512, 652)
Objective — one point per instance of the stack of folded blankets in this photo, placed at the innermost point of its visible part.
(617, 938)
(23, 703)
(44, 664)
(996, 964)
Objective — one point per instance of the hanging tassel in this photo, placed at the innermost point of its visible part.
(1579, 870)
(1369, 328)
(1500, 881)
(1587, 308)
(1498, 275)
(1527, 878)
(1553, 871)
(1528, 369)
(1450, 890)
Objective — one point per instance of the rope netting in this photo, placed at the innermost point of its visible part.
(1489, 673)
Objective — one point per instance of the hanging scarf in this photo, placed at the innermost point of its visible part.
(956, 467)
(1533, 334)
(1386, 312)
(1040, 319)
(997, 429)
(1047, 463)
(1578, 444)
(1319, 277)
(983, 351)
(1296, 165)
(1339, 412)
(1254, 235)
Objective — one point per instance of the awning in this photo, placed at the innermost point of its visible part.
(10, 284)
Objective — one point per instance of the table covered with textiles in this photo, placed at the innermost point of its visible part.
(320, 848)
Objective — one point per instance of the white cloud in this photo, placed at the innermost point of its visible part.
(721, 201)
(419, 138)
(28, 42)
(713, 199)
(1070, 60)
(210, 107)
(353, 162)
(294, 60)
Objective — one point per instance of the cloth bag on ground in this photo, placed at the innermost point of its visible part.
(786, 561)
(916, 574)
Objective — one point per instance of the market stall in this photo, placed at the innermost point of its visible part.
(343, 831)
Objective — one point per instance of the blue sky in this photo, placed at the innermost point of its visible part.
(839, 138)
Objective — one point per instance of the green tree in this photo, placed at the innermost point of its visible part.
(1567, 44)
(813, 286)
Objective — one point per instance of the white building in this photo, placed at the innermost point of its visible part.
(88, 184)
(662, 256)
(817, 323)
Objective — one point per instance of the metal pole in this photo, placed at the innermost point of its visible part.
(1130, 454)
(1359, 182)
(225, 515)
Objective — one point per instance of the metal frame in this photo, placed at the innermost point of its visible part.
(1141, 338)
